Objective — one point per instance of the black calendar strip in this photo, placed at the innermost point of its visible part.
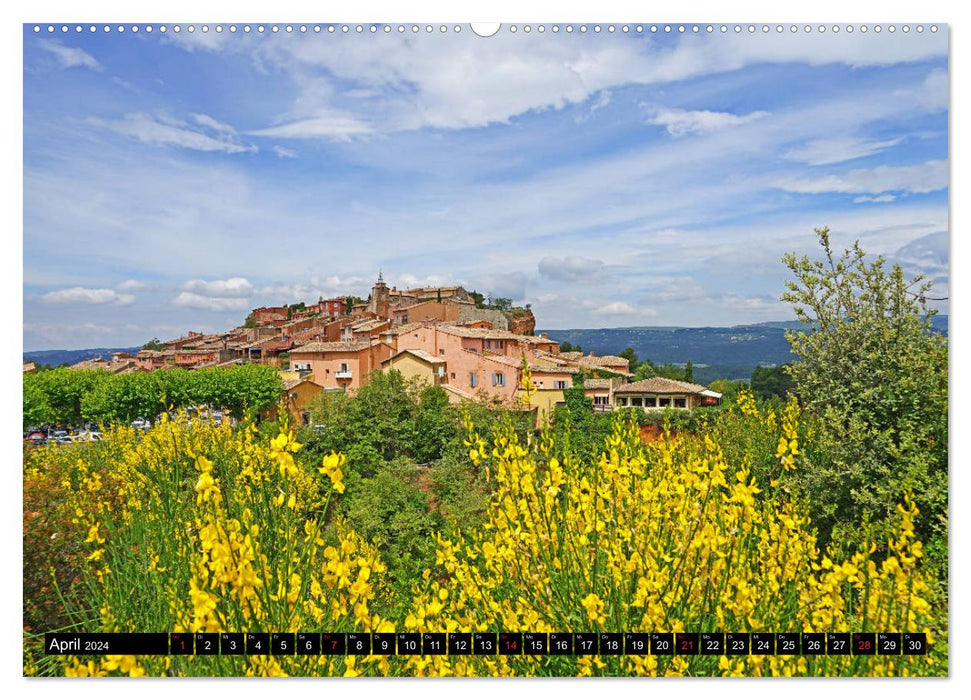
(490, 643)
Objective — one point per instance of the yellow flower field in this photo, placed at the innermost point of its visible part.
(201, 528)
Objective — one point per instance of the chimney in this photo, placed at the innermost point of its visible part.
(544, 336)
(591, 354)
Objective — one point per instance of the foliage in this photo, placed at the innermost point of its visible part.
(153, 344)
(37, 409)
(391, 512)
(567, 346)
(727, 388)
(202, 528)
(65, 388)
(250, 321)
(672, 536)
(73, 395)
(631, 357)
(876, 378)
(499, 304)
(772, 381)
(647, 369)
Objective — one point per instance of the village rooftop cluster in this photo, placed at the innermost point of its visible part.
(437, 334)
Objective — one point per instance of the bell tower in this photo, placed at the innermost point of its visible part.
(380, 298)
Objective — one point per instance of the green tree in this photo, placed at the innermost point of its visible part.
(65, 388)
(153, 344)
(567, 346)
(689, 371)
(477, 298)
(768, 382)
(873, 372)
(123, 398)
(500, 304)
(631, 357)
(37, 409)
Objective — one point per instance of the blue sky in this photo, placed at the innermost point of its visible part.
(172, 182)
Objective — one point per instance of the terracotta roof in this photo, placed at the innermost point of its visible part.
(289, 384)
(458, 392)
(559, 369)
(660, 385)
(572, 356)
(605, 361)
(420, 354)
(596, 383)
(408, 327)
(339, 346)
(491, 334)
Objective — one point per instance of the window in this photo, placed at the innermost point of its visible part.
(559, 384)
(623, 400)
(305, 417)
(636, 401)
(343, 367)
(664, 402)
(453, 375)
(472, 379)
(679, 403)
(498, 379)
(650, 401)
(600, 400)
(441, 351)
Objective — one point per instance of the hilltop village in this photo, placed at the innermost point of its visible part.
(445, 336)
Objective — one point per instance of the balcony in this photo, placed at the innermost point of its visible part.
(602, 407)
(343, 374)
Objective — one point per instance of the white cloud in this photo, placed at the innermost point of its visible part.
(284, 152)
(129, 285)
(85, 295)
(214, 124)
(879, 198)
(333, 125)
(837, 150)
(162, 131)
(571, 268)
(921, 178)
(68, 56)
(229, 288)
(460, 81)
(680, 122)
(190, 300)
(622, 307)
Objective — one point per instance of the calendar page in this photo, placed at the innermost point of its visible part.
(517, 349)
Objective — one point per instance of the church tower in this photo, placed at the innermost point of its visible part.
(380, 298)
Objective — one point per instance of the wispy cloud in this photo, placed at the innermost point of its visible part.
(85, 295)
(69, 56)
(284, 152)
(680, 122)
(924, 177)
(129, 286)
(164, 131)
(837, 150)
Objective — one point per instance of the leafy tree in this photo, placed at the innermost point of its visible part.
(875, 375)
(435, 425)
(567, 346)
(65, 388)
(768, 382)
(689, 371)
(727, 388)
(631, 357)
(478, 299)
(250, 321)
(390, 511)
(124, 397)
(153, 344)
(37, 409)
(500, 304)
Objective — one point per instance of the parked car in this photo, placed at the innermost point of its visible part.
(90, 436)
(141, 424)
(36, 437)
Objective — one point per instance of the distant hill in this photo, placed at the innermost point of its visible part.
(70, 357)
(715, 352)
